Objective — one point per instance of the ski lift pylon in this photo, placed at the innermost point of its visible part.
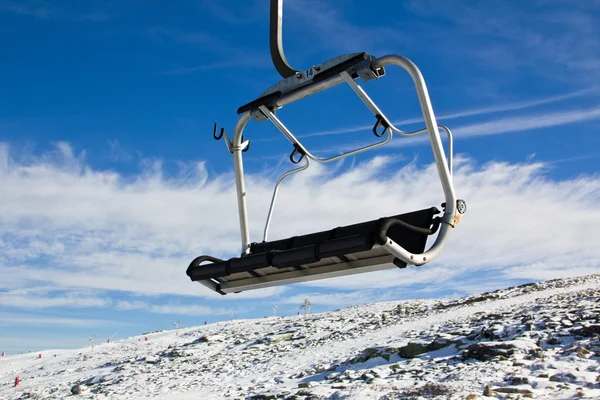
(397, 240)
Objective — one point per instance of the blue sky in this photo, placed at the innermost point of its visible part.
(111, 181)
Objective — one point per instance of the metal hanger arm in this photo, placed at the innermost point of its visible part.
(276, 44)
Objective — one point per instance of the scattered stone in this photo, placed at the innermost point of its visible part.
(486, 351)
(553, 341)
(263, 397)
(519, 380)
(416, 348)
(512, 390)
(78, 389)
(582, 352)
(588, 331)
(436, 361)
(563, 377)
(488, 391)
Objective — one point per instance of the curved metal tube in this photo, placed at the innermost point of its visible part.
(239, 181)
(440, 161)
(444, 166)
(286, 132)
(449, 156)
(274, 197)
(276, 41)
(378, 113)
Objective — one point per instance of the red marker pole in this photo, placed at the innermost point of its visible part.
(17, 380)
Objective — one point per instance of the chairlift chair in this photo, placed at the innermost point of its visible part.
(387, 242)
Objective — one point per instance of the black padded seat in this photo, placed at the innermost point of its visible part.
(409, 230)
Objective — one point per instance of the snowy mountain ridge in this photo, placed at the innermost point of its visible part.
(539, 340)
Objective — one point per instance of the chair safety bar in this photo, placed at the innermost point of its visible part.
(346, 69)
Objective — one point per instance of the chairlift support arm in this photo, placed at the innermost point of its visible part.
(276, 41)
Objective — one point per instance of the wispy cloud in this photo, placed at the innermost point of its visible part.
(125, 305)
(224, 52)
(74, 227)
(556, 39)
(251, 60)
(35, 9)
(31, 298)
(118, 152)
(189, 310)
(336, 31)
(528, 122)
(195, 37)
(466, 113)
(498, 126)
(50, 11)
(7, 319)
(247, 12)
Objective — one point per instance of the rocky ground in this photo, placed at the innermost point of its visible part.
(538, 340)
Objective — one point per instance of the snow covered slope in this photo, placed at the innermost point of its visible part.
(538, 340)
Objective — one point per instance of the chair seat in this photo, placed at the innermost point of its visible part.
(335, 252)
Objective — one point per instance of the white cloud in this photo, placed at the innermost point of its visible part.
(528, 122)
(7, 319)
(66, 225)
(32, 298)
(498, 126)
(557, 268)
(130, 305)
(556, 39)
(189, 310)
(332, 30)
(477, 111)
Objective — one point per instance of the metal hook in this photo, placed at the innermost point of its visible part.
(297, 150)
(228, 143)
(380, 122)
(219, 136)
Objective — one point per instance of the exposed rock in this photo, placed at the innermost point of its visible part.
(582, 352)
(488, 391)
(519, 380)
(412, 349)
(588, 331)
(423, 353)
(563, 377)
(207, 339)
(486, 351)
(512, 390)
(79, 389)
